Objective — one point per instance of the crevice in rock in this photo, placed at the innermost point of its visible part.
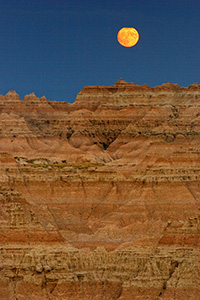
(58, 231)
(120, 293)
(54, 285)
(44, 286)
(175, 265)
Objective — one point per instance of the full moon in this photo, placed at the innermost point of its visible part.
(128, 36)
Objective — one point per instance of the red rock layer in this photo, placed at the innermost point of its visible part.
(100, 198)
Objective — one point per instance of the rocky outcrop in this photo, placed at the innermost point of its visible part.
(100, 198)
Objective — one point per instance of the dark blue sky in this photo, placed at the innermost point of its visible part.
(55, 48)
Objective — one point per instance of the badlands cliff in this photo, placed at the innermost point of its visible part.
(100, 198)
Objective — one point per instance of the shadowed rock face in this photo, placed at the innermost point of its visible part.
(100, 199)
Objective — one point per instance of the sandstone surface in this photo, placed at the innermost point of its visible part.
(100, 199)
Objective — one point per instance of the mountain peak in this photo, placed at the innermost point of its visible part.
(121, 81)
(12, 95)
(31, 97)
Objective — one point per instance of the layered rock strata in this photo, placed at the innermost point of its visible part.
(100, 198)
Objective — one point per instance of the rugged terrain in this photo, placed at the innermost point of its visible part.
(100, 198)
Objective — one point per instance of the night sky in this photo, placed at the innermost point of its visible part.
(55, 48)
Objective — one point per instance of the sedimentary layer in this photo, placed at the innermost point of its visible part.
(100, 198)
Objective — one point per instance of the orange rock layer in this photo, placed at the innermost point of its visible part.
(100, 198)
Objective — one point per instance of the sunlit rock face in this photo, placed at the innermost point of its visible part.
(100, 198)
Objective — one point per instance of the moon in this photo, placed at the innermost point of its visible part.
(128, 36)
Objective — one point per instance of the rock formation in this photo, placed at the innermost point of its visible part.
(100, 198)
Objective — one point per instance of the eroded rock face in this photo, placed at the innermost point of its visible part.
(100, 198)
